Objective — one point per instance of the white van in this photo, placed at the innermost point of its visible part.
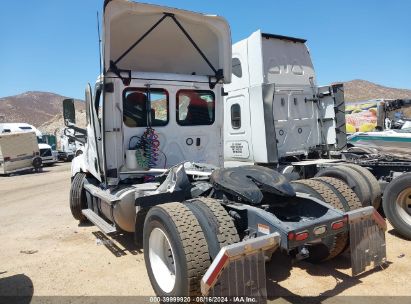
(48, 157)
(19, 152)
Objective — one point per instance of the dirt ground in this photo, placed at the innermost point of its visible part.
(44, 252)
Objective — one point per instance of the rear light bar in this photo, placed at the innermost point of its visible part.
(319, 230)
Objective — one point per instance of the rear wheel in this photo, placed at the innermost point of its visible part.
(372, 183)
(352, 178)
(333, 245)
(78, 200)
(397, 204)
(175, 250)
(349, 199)
(217, 225)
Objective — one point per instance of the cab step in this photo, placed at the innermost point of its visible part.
(98, 221)
(101, 194)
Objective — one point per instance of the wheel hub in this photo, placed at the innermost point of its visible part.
(162, 260)
(403, 205)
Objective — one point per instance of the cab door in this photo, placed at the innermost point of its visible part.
(93, 149)
(237, 126)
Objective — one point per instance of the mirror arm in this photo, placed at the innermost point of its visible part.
(81, 140)
(80, 132)
(76, 129)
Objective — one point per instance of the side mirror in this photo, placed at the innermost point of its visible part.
(69, 112)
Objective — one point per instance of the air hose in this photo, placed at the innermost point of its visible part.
(147, 149)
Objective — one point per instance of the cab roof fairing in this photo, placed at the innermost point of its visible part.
(165, 49)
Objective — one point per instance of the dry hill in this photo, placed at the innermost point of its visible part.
(44, 110)
(36, 108)
(356, 90)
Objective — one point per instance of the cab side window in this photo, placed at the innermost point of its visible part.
(236, 116)
(236, 67)
(143, 107)
(195, 107)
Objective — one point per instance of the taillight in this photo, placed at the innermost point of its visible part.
(337, 225)
(320, 230)
(6, 158)
(301, 236)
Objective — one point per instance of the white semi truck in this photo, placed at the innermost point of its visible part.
(272, 110)
(69, 147)
(277, 116)
(153, 165)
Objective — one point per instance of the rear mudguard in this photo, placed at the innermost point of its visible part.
(367, 239)
(239, 269)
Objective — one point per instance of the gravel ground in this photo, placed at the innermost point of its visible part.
(44, 252)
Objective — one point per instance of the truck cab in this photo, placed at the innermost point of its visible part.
(69, 147)
(159, 101)
(274, 90)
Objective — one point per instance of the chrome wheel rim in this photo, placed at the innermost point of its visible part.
(162, 260)
(403, 205)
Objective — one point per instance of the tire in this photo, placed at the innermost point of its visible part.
(333, 245)
(396, 201)
(372, 182)
(217, 225)
(175, 227)
(318, 190)
(78, 199)
(37, 162)
(347, 196)
(352, 178)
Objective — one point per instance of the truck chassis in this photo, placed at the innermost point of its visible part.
(213, 209)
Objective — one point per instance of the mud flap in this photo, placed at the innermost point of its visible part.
(367, 239)
(239, 270)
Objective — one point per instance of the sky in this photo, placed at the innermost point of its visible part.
(52, 45)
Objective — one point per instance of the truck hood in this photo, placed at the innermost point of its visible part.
(165, 49)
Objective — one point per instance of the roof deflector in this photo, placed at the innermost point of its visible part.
(159, 48)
